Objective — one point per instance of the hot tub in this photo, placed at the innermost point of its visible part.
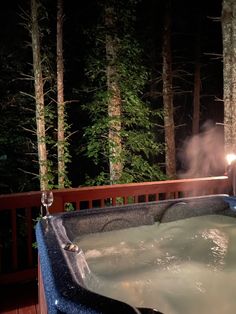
(66, 273)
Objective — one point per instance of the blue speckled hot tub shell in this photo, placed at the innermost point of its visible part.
(62, 278)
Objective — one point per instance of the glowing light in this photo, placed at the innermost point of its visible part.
(230, 158)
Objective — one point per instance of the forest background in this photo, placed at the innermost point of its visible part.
(195, 39)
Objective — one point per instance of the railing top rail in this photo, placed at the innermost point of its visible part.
(92, 192)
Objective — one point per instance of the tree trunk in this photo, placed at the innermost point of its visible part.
(168, 98)
(60, 98)
(39, 98)
(229, 73)
(114, 98)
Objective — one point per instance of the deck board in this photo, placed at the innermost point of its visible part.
(19, 299)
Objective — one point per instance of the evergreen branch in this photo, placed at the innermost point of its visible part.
(180, 125)
(26, 94)
(29, 130)
(214, 18)
(71, 101)
(28, 172)
(218, 99)
(216, 56)
(159, 125)
(68, 136)
(28, 109)
(28, 77)
(65, 102)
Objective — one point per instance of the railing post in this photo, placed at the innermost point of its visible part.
(29, 222)
(14, 239)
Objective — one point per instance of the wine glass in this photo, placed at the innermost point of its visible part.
(47, 200)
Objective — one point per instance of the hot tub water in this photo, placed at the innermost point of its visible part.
(180, 267)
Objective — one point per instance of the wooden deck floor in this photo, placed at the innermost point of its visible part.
(19, 299)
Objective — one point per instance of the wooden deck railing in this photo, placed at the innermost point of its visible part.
(19, 212)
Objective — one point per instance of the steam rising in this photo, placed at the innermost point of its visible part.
(202, 155)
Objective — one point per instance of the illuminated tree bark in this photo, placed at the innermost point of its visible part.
(114, 98)
(39, 97)
(168, 97)
(60, 98)
(228, 20)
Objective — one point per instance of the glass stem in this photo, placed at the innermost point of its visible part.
(47, 212)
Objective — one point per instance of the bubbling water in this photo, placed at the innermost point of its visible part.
(181, 267)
